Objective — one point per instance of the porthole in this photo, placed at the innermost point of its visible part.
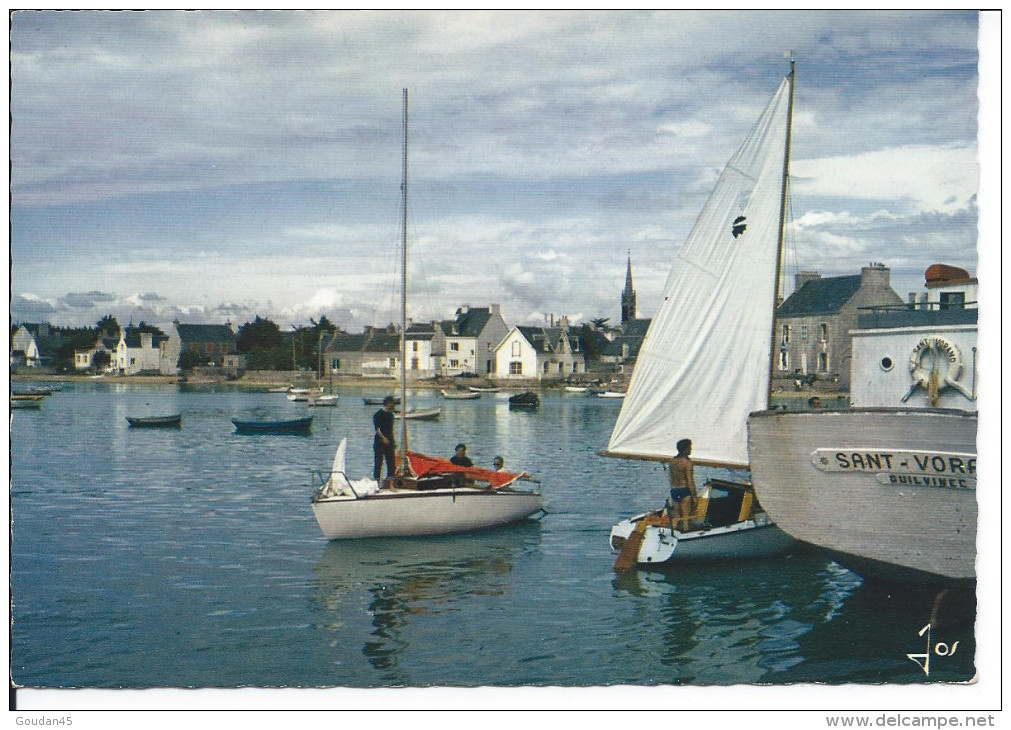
(887, 364)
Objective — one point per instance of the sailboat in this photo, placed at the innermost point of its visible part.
(427, 496)
(706, 360)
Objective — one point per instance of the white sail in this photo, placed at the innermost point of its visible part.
(704, 364)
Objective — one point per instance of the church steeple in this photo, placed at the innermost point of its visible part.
(628, 308)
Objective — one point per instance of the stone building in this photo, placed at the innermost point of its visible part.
(813, 324)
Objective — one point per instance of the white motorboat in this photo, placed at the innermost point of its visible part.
(420, 414)
(460, 394)
(718, 307)
(887, 486)
(427, 496)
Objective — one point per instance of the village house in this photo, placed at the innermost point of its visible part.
(813, 324)
(471, 338)
(137, 352)
(623, 349)
(211, 345)
(25, 348)
(106, 343)
(375, 353)
(544, 353)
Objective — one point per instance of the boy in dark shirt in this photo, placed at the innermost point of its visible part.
(384, 445)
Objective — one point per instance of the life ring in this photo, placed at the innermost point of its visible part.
(936, 347)
(923, 369)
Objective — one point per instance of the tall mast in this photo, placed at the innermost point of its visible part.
(403, 313)
(782, 228)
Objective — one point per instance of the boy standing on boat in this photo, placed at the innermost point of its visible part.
(683, 495)
(384, 445)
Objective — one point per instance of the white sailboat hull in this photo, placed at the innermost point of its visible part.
(889, 492)
(409, 513)
(661, 547)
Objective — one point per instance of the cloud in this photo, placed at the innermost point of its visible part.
(922, 178)
(30, 308)
(87, 300)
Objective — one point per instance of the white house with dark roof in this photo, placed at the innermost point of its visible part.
(471, 338)
(544, 353)
(137, 352)
(25, 348)
(813, 324)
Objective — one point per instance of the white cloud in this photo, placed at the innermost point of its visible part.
(925, 178)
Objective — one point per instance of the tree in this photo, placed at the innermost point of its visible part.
(260, 334)
(102, 360)
(108, 325)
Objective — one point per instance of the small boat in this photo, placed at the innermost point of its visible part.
(27, 402)
(718, 307)
(173, 421)
(477, 389)
(281, 389)
(372, 401)
(726, 510)
(39, 391)
(612, 394)
(460, 395)
(324, 401)
(303, 395)
(421, 414)
(576, 389)
(438, 498)
(295, 425)
(426, 495)
(527, 399)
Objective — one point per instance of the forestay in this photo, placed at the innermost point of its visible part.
(704, 364)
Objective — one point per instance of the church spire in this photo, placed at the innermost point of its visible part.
(628, 307)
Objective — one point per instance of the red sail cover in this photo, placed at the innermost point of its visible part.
(423, 465)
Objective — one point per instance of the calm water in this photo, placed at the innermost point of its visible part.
(190, 557)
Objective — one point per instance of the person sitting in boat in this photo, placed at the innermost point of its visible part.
(383, 444)
(683, 496)
(460, 458)
(498, 464)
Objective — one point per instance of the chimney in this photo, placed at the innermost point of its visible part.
(496, 309)
(802, 277)
(875, 275)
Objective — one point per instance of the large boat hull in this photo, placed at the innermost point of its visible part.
(889, 492)
(406, 513)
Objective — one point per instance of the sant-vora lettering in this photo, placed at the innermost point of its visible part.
(905, 468)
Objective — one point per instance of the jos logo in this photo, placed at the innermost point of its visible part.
(939, 649)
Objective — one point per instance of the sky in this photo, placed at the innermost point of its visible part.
(213, 166)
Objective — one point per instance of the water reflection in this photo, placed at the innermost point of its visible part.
(404, 584)
(739, 623)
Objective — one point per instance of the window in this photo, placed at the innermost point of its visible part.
(786, 333)
(414, 346)
(415, 364)
(454, 346)
(822, 362)
(952, 300)
(803, 333)
(545, 367)
(516, 368)
(823, 332)
(784, 360)
(454, 363)
(517, 349)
